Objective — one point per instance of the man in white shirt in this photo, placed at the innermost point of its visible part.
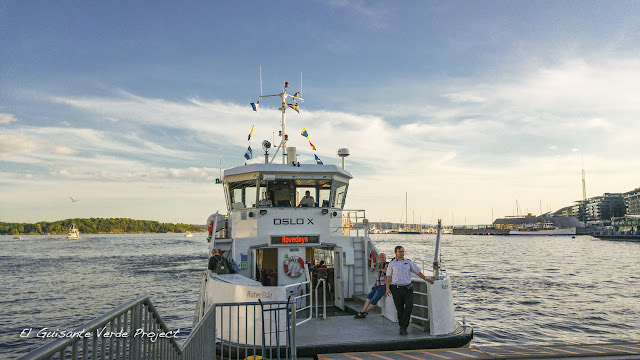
(307, 200)
(399, 284)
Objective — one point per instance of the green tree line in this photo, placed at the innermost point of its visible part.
(97, 226)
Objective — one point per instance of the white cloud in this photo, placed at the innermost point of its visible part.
(7, 118)
(16, 143)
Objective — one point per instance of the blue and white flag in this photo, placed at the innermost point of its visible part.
(318, 160)
(249, 154)
(255, 105)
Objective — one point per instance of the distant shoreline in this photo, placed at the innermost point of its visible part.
(98, 226)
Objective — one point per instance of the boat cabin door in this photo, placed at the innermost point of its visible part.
(338, 259)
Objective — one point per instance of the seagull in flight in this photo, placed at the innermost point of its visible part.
(72, 199)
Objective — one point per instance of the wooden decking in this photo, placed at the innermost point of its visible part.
(622, 351)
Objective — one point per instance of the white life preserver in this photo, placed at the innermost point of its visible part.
(294, 266)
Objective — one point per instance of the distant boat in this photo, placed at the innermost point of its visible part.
(546, 228)
(74, 233)
(188, 234)
(17, 237)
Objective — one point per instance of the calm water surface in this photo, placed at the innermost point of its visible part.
(512, 290)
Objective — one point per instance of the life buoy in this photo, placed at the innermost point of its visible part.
(210, 229)
(294, 266)
(373, 262)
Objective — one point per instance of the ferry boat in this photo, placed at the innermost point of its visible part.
(274, 239)
(544, 228)
(74, 233)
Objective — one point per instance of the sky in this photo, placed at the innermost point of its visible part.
(475, 110)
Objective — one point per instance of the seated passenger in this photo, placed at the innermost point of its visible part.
(307, 200)
(377, 290)
(218, 264)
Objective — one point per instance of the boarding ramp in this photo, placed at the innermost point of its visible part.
(129, 332)
(103, 337)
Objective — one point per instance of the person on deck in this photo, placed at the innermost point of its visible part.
(399, 284)
(378, 289)
(218, 264)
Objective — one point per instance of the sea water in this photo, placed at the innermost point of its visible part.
(511, 289)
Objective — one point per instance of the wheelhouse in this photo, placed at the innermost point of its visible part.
(282, 185)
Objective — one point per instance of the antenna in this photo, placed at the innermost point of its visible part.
(260, 80)
(584, 185)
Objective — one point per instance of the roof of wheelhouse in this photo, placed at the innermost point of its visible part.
(301, 170)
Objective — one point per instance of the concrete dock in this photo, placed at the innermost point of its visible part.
(609, 351)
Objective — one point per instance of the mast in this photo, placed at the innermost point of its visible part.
(283, 95)
(406, 211)
(584, 185)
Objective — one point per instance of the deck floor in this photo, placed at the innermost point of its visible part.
(336, 329)
(622, 351)
(374, 333)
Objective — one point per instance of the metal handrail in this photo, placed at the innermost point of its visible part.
(324, 298)
(307, 282)
(136, 318)
(206, 336)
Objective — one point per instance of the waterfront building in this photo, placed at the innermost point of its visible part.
(597, 208)
(632, 201)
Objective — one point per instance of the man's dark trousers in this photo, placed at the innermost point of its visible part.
(403, 300)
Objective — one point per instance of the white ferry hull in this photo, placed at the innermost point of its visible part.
(559, 231)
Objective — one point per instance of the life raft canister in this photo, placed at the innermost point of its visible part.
(373, 262)
(294, 266)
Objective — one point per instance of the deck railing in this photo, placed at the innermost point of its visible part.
(125, 333)
(352, 221)
(132, 331)
(229, 331)
(304, 300)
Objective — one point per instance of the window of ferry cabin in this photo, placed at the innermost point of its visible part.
(243, 194)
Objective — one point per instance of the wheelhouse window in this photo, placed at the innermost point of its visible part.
(243, 194)
(289, 192)
(341, 194)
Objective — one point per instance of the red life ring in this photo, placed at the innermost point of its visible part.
(372, 261)
(210, 229)
(294, 266)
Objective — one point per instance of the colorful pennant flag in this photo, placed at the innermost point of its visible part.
(255, 105)
(248, 154)
(313, 146)
(318, 160)
(294, 107)
(251, 133)
(304, 133)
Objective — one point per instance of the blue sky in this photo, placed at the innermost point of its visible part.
(468, 106)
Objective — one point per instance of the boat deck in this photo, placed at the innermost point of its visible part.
(374, 333)
(622, 351)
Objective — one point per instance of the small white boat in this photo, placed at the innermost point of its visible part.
(18, 237)
(74, 233)
(188, 234)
